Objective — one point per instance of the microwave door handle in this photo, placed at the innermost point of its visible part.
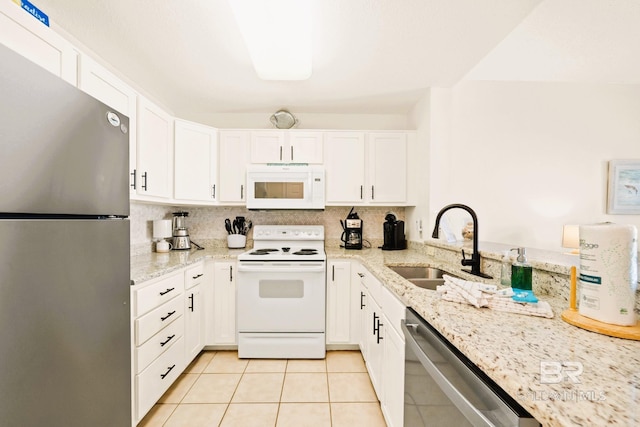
(470, 412)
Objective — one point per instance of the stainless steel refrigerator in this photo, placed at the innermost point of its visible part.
(65, 357)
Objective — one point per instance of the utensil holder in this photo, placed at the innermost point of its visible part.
(236, 241)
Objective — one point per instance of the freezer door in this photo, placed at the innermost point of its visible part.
(65, 323)
(61, 151)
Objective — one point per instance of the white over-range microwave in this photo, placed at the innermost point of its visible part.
(285, 187)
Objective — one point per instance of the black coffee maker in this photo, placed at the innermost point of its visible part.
(393, 234)
(352, 231)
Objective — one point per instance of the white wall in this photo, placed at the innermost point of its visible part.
(306, 121)
(530, 157)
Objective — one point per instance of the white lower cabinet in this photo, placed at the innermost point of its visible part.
(155, 379)
(157, 339)
(392, 401)
(375, 345)
(382, 342)
(340, 304)
(194, 311)
(224, 304)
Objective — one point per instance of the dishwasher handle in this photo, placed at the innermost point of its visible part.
(472, 413)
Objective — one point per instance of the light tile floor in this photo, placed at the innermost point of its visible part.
(218, 389)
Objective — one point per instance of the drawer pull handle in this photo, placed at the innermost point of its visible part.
(196, 276)
(168, 315)
(162, 344)
(168, 370)
(362, 306)
(167, 291)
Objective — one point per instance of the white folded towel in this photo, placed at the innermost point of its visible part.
(483, 295)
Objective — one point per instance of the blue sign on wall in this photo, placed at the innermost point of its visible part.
(37, 13)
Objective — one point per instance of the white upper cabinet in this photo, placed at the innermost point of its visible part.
(234, 156)
(24, 34)
(305, 147)
(195, 163)
(291, 146)
(387, 168)
(100, 83)
(344, 154)
(266, 146)
(155, 151)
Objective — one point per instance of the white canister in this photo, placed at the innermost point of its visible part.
(608, 272)
(236, 241)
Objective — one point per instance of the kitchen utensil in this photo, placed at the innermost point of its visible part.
(227, 226)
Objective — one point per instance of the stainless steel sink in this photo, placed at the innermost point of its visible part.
(421, 276)
(427, 283)
(418, 272)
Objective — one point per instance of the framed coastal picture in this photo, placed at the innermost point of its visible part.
(624, 187)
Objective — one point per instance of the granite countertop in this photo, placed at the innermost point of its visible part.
(508, 347)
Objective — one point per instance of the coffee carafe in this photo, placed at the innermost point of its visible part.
(352, 231)
(181, 239)
(393, 231)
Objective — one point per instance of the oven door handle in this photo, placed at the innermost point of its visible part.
(280, 268)
(472, 413)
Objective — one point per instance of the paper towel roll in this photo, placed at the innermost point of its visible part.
(608, 272)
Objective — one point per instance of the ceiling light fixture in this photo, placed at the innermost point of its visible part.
(278, 36)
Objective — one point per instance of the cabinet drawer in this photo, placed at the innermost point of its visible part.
(373, 285)
(194, 276)
(158, 344)
(393, 309)
(156, 379)
(151, 323)
(161, 291)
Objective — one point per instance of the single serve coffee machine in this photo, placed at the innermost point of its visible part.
(393, 231)
(352, 231)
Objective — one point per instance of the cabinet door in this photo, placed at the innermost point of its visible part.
(268, 147)
(224, 303)
(155, 154)
(234, 156)
(387, 168)
(195, 162)
(339, 302)
(194, 322)
(304, 147)
(21, 32)
(98, 82)
(344, 164)
(392, 401)
(375, 344)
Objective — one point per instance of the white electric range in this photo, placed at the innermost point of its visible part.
(281, 293)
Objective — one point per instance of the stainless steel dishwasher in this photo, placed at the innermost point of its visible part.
(444, 388)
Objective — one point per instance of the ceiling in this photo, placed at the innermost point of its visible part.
(370, 56)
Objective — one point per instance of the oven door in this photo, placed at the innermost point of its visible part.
(281, 296)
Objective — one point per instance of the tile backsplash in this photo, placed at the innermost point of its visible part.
(207, 223)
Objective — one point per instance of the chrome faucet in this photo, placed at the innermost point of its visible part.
(474, 261)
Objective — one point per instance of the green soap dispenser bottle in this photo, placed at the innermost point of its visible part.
(522, 278)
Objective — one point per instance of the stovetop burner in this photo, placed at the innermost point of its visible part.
(286, 243)
(265, 251)
(306, 252)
